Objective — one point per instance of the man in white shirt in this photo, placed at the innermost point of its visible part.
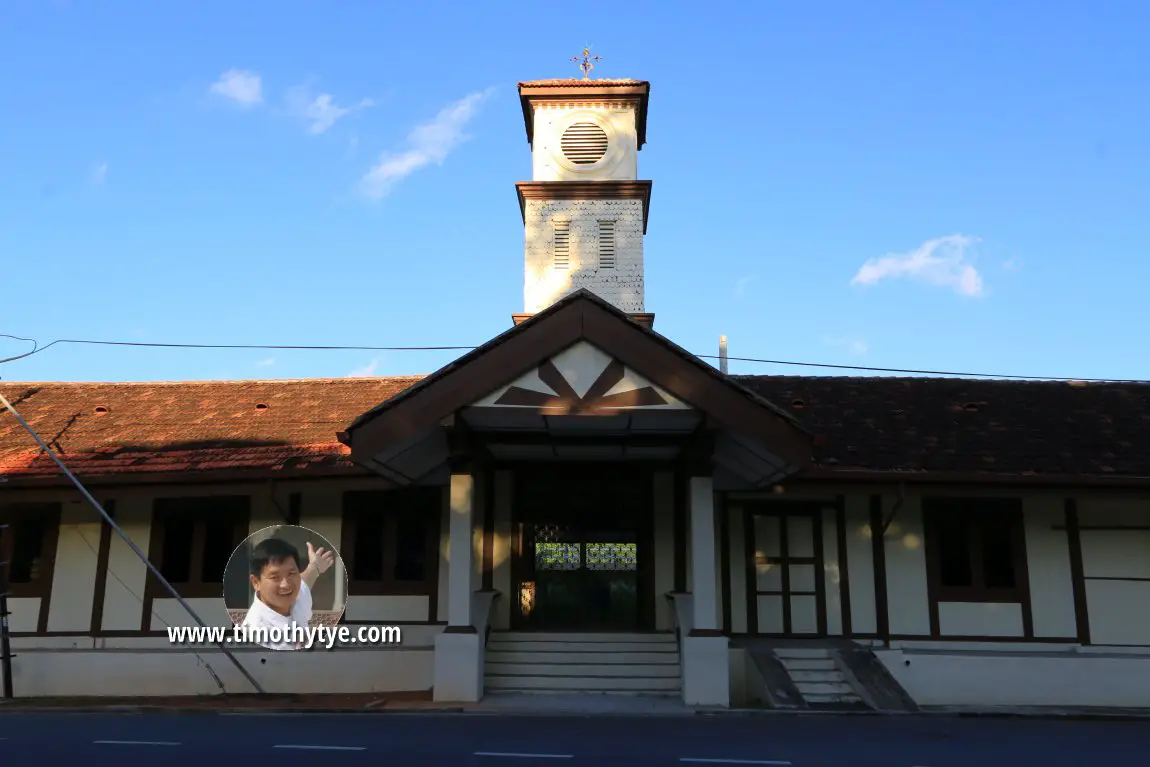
(283, 592)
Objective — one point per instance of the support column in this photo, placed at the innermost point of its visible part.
(706, 657)
(704, 588)
(459, 649)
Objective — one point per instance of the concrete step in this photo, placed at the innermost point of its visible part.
(608, 658)
(807, 689)
(580, 636)
(603, 671)
(570, 683)
(809, 664)
(815, 676)
(819, 699)
(500, 645)
(797, 653)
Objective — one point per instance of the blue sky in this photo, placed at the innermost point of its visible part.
(960, 186)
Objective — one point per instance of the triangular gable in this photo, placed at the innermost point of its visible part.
(588, 331)
(582, 376)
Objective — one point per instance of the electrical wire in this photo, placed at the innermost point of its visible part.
(292, 347)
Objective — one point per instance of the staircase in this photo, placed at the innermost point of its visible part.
(567, 663)
(817, 676)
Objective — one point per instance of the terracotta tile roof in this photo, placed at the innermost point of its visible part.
(963, 425)
(884, 424)
(577, 82)
(105, 428)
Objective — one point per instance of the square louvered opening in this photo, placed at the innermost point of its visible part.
(606, 244)
(562, 246)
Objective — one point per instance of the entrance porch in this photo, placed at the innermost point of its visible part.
(582, 452)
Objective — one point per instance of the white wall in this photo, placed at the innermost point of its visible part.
(617, 119)
(1116, 565)
(860, 565)
(906, 593)
(1015, 679)
(501, 551)
(74, 573)
(1048, 562)
(181, 672)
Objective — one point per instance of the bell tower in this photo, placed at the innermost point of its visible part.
(585, 209)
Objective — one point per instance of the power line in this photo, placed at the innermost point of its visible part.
(294, 347)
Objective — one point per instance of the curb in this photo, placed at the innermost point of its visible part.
(1066, 716)
(170, 711)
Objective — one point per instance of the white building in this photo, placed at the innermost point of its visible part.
(581, 505)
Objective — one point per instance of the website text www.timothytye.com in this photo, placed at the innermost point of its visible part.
(303, 636)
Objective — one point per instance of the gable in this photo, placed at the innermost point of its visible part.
(579, 378)
(537, 382)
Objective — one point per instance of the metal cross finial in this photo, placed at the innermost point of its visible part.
(584, 63)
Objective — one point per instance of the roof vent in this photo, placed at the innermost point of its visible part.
(100, 410)
(261, 406)
(798, 404)
(584, 143)
(971, 407)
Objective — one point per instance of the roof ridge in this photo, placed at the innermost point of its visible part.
(212, 381)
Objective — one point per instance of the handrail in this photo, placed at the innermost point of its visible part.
(482, 602)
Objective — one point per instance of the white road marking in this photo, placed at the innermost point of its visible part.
(524, 756)
(137, 742)
(704, 760)
(322, 748)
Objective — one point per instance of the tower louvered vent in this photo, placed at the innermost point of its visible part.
(606, 244)
(584, 143)
(562, 244)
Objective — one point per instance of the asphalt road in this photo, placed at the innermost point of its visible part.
(494, 741)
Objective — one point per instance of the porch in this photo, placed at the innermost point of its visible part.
(582, 452)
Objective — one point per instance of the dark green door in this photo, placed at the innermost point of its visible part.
(581, 553)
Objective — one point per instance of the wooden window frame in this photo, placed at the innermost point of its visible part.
(973, 509)
(432, 497)
(194, 588)
(41, 588)
(784, 511)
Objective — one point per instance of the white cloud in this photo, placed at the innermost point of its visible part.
(1012, 264)
(241, 86)
(742, 283)
(944, 261)
(321, 111)
(428, 144)
(366, 371)
(267, 363)
(100, 174)
(856, 347)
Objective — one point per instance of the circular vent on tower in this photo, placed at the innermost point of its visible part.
(584, 143)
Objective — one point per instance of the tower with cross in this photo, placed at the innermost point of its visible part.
(585, 208)
(586, 62)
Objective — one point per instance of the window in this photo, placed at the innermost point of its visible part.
(975, 550)
(606, 244)
(390, 540)
(562, 244)
(193, 539)
(28, 546)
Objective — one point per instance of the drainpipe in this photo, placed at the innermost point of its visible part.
(882, 536)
